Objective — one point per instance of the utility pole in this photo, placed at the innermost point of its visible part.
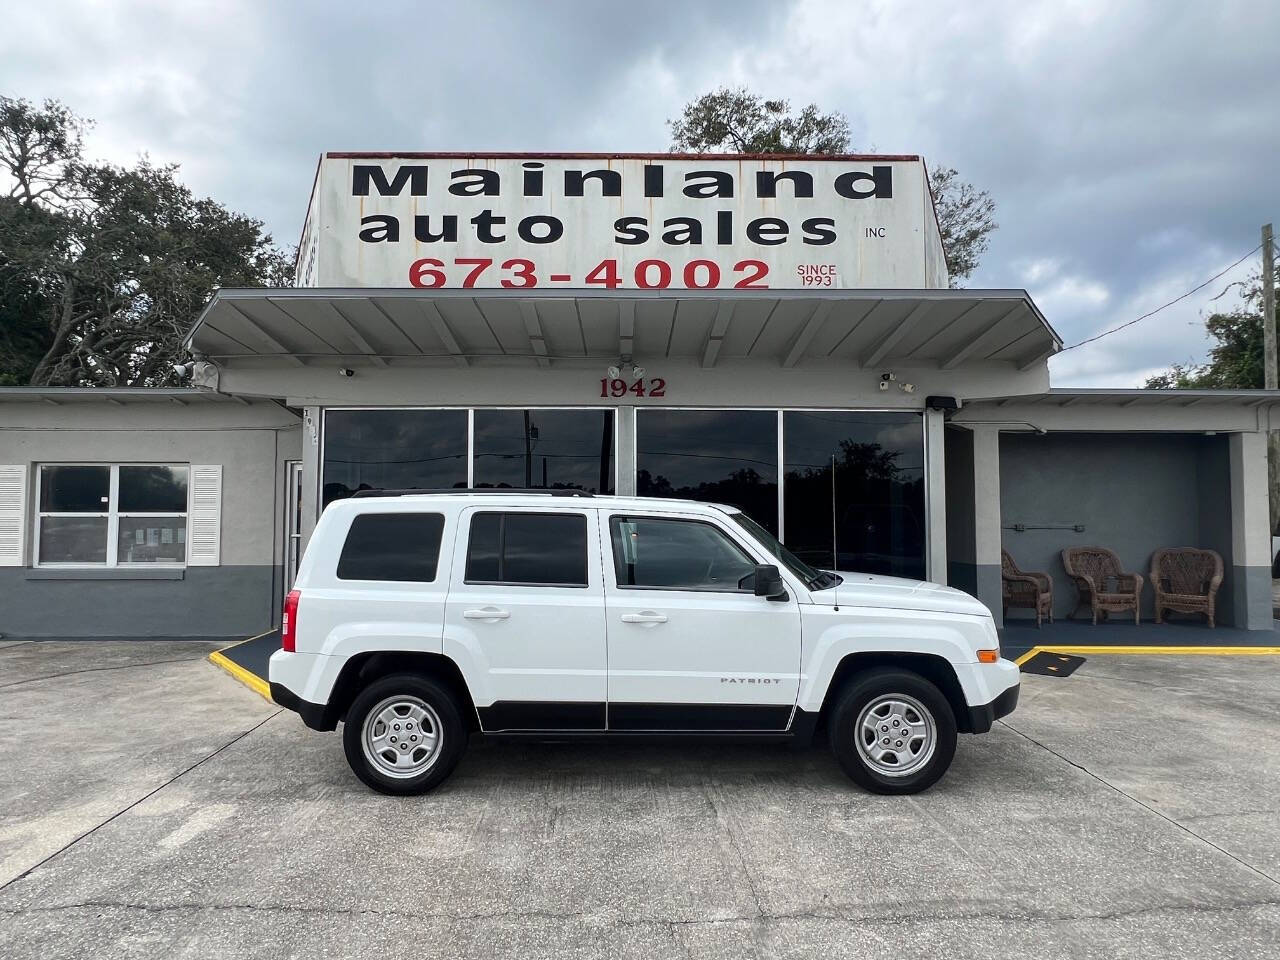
(1269, 365)
(1269, 306)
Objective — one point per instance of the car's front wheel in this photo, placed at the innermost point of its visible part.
(403, 734)
(893, 731)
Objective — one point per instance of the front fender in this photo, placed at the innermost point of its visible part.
(830, 635)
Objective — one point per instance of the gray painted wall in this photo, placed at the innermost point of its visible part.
(238, 598)
(1133, 492)
(1214, 481)
(226, 601)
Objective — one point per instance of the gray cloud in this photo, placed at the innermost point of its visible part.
(1131, 151)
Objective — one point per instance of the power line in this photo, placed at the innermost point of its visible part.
(1221, 273)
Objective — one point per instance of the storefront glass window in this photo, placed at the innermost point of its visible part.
(393, 450)
(557, 449)
(725, 456)
(879, 490)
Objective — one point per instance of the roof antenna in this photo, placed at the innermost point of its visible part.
(835, 556)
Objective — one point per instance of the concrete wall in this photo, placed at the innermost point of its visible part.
(1134, 493)
(1214, 519)
(239, 597)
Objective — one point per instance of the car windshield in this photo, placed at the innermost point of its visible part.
(814, 579)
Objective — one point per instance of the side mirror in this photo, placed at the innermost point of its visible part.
(768, 582)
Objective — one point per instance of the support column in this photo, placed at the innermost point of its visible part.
(626, 450)
(1250, 532)
(935, 492)
(986, 518)
(310, 472)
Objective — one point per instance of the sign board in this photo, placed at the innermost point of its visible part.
(620, 222)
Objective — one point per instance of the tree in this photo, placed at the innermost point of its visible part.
(1235, 359)
(1235, 362)
(103, 268)
(742, 122)
(966, 217)
(750, 124)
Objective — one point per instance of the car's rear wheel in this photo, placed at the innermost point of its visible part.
(893, 731)
(403, 734)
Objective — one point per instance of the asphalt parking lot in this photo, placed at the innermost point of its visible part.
(150, 806)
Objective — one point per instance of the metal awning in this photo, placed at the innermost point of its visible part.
(793, 328)
(1059, 397)
(116, 396)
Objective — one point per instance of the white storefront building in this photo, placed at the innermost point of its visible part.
(772, 332)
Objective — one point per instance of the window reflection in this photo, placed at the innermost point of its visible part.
(74, 489)
(153, 489)
(556, 449)
(879, 490)
(724, 456)
(393, 449)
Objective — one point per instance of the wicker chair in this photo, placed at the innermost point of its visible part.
(1186, 579)
(1025, 588)
(1101, 583)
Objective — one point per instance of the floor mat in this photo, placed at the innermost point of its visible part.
(1050, 664)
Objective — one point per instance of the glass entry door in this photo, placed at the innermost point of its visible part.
(292, 521)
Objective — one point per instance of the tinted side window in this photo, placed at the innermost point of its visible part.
(392, 546)
(677, 555)
(530, 548)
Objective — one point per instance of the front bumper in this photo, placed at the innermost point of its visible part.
(982, 717)
(314, 715)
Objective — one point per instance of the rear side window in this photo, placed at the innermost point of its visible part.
(392, 546)
(543, 549)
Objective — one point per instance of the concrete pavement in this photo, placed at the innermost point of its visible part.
(159, 809)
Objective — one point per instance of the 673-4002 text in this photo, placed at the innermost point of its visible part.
(430, 273)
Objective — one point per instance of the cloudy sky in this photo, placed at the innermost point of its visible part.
(1132, 147)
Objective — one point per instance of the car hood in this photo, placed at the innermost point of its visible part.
(897, 593)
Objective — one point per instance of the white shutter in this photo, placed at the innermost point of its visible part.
(204, 522)
(13, 501)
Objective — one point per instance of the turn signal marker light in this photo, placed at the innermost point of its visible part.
(989, 656)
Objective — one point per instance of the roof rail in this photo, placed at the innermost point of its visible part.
(458, 492)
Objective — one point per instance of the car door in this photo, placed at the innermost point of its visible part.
(691, 647)
(525, 612)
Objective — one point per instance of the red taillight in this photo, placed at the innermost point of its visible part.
(289, 622)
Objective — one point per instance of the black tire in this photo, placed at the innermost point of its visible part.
(373, 699)
(843, 728)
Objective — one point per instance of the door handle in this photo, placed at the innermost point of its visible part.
(487, 613)
(646, 617)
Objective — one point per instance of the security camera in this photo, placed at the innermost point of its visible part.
(888, 377)
(613, 372)
(346, 372)
(884, 384)
(907, 387)
(637, 372)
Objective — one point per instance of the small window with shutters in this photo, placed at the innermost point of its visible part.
(126, 515)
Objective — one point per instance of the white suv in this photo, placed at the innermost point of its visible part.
(418, 619)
